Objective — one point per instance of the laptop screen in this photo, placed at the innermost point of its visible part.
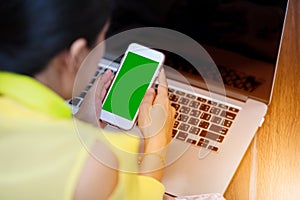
(242, 36)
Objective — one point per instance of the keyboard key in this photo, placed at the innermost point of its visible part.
(228, 115)
(227, 123)
(218, 129)
(88, 87)
(183, 127)
(171, 90)
(194, 130)
(234, 109)
(193, 121)
(183, 118)
(191, 96)
(201, 99)
(174, 132)
(195, 113)
(184, 110)
(203, 143)
(204, 140)
(181, 136)
(216, 119)
(191, 141)
(82, 94)
(194, 104)
(175, 105)
(204, 107)
(176, 123)
(180, 93)
(203, 124)
(93, 80)
(223, 106)
(75, 101)
(212, 103)
(215, 110)
(176, 114)
(213, 148)
(183, 101)
(211, 136)
(173, 97)
(205, 116)
(97, 73)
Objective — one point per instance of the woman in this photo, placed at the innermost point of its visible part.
(42, 44)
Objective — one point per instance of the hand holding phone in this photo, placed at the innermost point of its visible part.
(86, 111)
(156, 120)
(137, 72)
(156, 117)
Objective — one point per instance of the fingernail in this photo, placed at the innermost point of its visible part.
(108, 73)
(150, 90)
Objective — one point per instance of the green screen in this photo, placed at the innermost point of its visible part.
(130, 86)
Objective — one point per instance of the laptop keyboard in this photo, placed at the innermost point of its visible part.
(198, 120)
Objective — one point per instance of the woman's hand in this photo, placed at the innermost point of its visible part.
(90, 108)
(156, 119)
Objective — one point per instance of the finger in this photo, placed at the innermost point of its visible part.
(102, 94)
(103, 82)
(149, 97)
(106, 76)
(162, 84)
(107, 84)
(103, 124)
(144, 110)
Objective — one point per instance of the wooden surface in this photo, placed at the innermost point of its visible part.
(273, 173)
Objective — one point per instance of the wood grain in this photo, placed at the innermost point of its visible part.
(278, 141)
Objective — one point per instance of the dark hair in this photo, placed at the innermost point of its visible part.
(32, 32)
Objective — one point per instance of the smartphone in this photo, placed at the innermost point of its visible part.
(138, 70)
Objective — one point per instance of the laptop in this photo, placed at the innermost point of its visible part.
(213, 128)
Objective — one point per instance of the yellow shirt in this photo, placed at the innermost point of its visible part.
(43, 149)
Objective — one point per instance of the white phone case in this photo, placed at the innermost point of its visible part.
(145, 52)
